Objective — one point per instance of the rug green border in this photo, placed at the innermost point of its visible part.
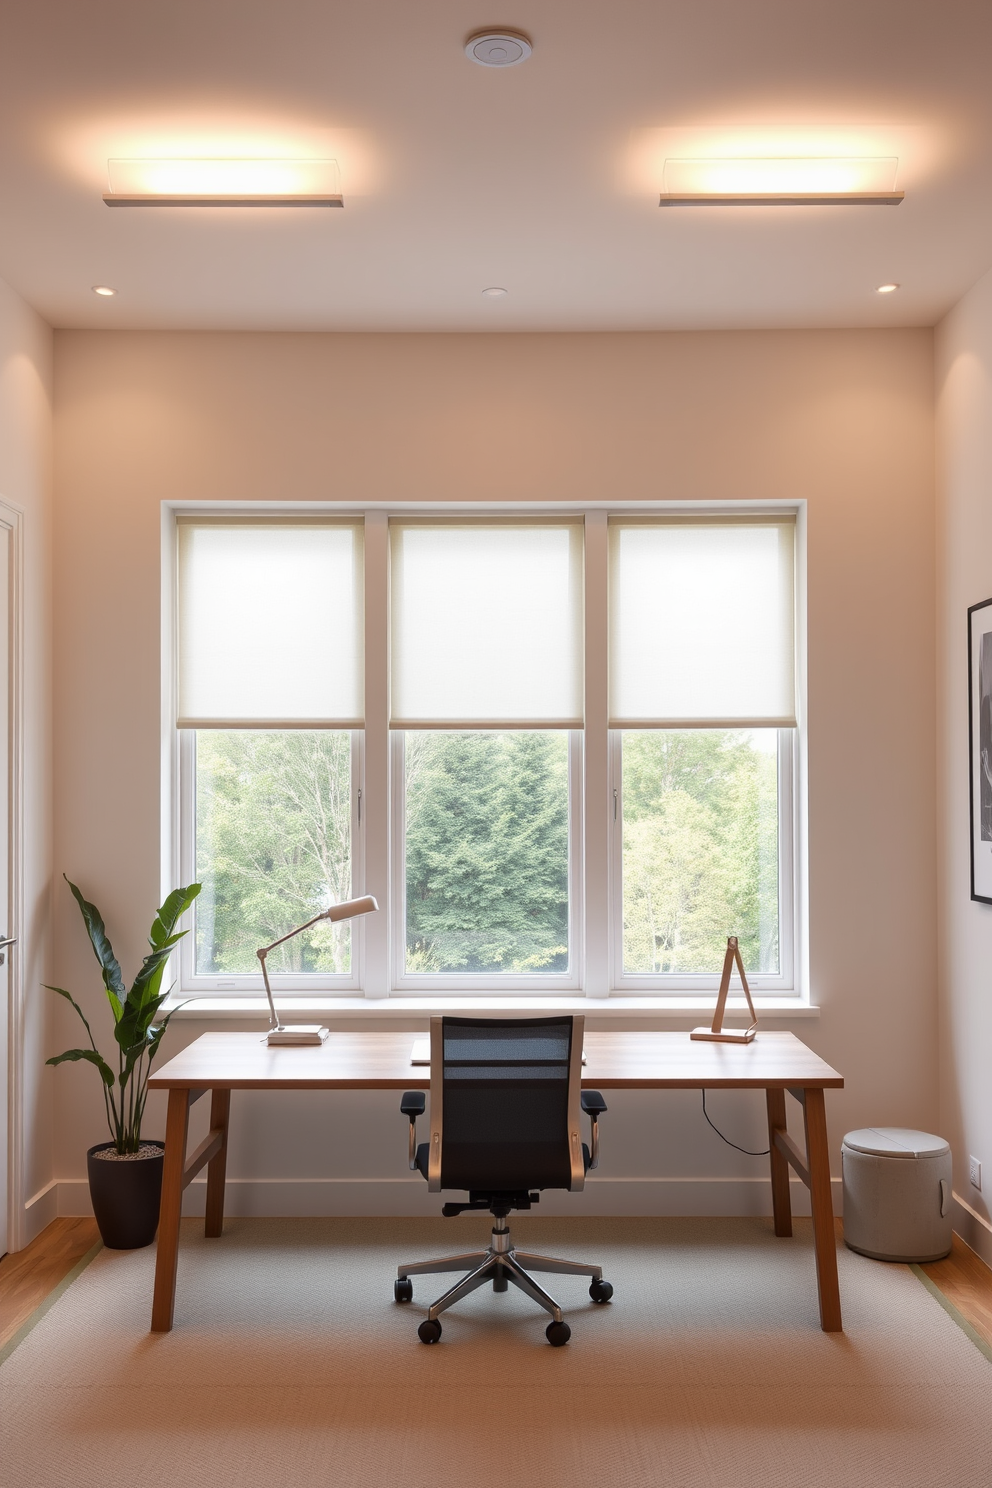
(48, 1303)
(951, 1311)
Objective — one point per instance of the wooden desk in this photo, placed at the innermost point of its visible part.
(222, 1062)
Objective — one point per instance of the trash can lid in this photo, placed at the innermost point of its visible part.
(896, 1141)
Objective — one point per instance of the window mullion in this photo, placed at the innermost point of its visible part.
(375, 797)
(595, 899)
(186, 750)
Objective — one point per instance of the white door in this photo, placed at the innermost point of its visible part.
(5, 860)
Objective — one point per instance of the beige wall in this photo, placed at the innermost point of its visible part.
(25, 486)
(842, 420)
(964, 577)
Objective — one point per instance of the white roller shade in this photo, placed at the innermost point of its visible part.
(270, 624)
(702, 624)
(486, 625)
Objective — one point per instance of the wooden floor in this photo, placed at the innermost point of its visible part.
(27, 1278)
(966, 1281)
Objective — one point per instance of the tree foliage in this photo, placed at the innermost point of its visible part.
(700, 849)
(487, 852)
(273, 847)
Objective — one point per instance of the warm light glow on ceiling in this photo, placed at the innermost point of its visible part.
(242, 134)
(823, 151)
(218, 180)
(886, 288)
(782, 176)
(104, 290)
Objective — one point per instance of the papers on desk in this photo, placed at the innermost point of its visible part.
(421, 1051)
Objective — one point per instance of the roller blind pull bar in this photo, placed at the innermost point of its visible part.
(486, 725)
(185, 722)
(783, 720)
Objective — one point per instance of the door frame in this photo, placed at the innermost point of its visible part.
(12, 518)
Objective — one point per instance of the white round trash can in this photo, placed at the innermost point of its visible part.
(897, 1194)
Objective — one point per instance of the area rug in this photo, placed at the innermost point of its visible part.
(290, 1366)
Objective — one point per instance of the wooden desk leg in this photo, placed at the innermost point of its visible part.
(220, 1110)
(824, 1238)
(781, 1195)
(167, 1257)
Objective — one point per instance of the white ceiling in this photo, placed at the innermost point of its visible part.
(542, 178)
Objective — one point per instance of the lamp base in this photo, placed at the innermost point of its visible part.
(725, 1036)
(297, 1033)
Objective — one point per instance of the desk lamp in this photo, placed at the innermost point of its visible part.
(717, 1034)
(307, 1033)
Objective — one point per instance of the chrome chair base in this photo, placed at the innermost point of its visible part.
(500, 1264)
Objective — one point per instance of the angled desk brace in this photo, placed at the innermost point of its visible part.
(221, 1062)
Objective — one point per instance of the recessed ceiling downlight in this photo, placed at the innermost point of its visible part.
(887, 289)
(104, 289)
(494, 292)
(497, 48)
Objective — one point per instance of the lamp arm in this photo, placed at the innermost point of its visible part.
(298, 931)
(345, 911)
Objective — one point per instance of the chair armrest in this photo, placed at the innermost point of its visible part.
(594, 1105)
(413, 1104)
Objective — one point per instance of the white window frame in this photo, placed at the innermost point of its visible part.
(595, 910)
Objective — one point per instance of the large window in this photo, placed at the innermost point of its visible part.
(561, 751)
(703, 708)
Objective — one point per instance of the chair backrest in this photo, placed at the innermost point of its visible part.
(505, 1104)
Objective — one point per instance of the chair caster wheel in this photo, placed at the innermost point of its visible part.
(403, 1289)
(429, 1332)
(557, 1334)
(600, 1291)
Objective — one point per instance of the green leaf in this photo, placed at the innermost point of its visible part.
(102, 949)
(145, 988)
(69, 998)
(91, 1057)
(155, 1037)
(175, 906)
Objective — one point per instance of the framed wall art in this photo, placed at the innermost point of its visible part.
(980, 734)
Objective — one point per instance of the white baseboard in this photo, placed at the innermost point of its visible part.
(261, 1197)
(973, 1228)
(40, 1209)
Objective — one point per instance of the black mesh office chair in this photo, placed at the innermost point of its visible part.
(505, 1099)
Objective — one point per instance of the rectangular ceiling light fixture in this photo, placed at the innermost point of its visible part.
(783, 182)
(223, 183)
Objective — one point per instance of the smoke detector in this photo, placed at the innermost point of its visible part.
(497, 48)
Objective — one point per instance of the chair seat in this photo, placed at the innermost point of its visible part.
(422, 1158)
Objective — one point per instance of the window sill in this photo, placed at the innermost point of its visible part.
(372, 1010)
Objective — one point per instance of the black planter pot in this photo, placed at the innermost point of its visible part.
(126, 1196)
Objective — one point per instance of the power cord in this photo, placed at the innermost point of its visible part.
(747, 1152)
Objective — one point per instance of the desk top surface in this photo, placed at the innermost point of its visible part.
(381, 1061)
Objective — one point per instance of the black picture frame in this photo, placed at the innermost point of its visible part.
(980, 748)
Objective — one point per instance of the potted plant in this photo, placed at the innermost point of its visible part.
(125, 1173)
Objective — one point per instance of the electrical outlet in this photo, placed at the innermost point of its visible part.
(975, 1173)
